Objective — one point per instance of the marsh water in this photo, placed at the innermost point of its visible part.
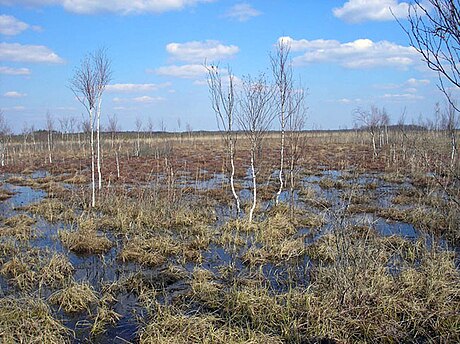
(331, 187)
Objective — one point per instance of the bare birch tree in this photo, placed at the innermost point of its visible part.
(84, 86)
(255, 116)
(50, 129)
(370, 121)
(434, 32)
(289, 102)
(4, 135)
(223, 99)
(102, 68)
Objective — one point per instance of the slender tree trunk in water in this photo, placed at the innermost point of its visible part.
(232, 179)
(50, 139)
(93, 181)
(98, 129)
(291, 186)
(281, 160)
(454, 147)
(373, 145)
(254, 185)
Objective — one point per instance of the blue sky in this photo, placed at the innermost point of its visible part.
(348, 54)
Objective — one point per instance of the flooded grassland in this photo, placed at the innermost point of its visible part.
(360, 249)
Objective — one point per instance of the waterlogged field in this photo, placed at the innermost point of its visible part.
(362, 250)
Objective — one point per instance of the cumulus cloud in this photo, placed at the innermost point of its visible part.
(242, 12)
(14, 94)
(357, 11)
(111, 6)
(10, 26)
(196, 51)
(28, 53)
(133, 88)
(190, 71)
(359, 54)
(14, 71)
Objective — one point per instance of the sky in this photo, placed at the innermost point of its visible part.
(347, 54)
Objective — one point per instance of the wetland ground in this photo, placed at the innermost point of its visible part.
(365, 249)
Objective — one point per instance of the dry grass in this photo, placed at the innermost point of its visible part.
(29, 320)
(5, 194)
(170, 326)
(76, 297)
(85, 241)
(30, 269)
(105, 316)
(19, 227)
(52, 210)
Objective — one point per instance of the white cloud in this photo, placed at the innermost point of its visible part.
(147, 99)
(196, 51)
(132, 88)
(190, 71)
(412, 82)
(14, 71)
(28, 53)
(111, 6)
(11, 26)
(359, 54)
(401, 97)
(356, 11)
(141, 99)
(14, 94)
(242, 12)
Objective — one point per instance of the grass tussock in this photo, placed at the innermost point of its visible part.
(19, 227)
(85, 241)
(5, 194)
(105, 316)
(52, 210)
(30, 269)
(29, 320)
(76, 297)
(169, 325)
(153, 249)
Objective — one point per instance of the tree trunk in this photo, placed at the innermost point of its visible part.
(254, 186)
(232, 179)
(98, 129)
(93, 182)
(280, 175)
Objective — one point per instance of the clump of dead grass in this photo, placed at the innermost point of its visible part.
(169, 325)
(52, 210)
(5, 194)
(19, 227)
(29, 320)
(76, 297)
(85, 241)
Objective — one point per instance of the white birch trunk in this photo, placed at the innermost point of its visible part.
(254, 187)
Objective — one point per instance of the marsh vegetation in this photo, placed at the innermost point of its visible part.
(367, 251)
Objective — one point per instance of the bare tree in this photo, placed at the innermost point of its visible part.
(370, 121)
(295, 142)
(449, 123)
(102, 65)
(150, 128)
(50, 129)
(5, 132)
(224, 103)
(112, 127)
(289, 100)
(434, 32)
(138, 130)
(84, 86)
(255, 117)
